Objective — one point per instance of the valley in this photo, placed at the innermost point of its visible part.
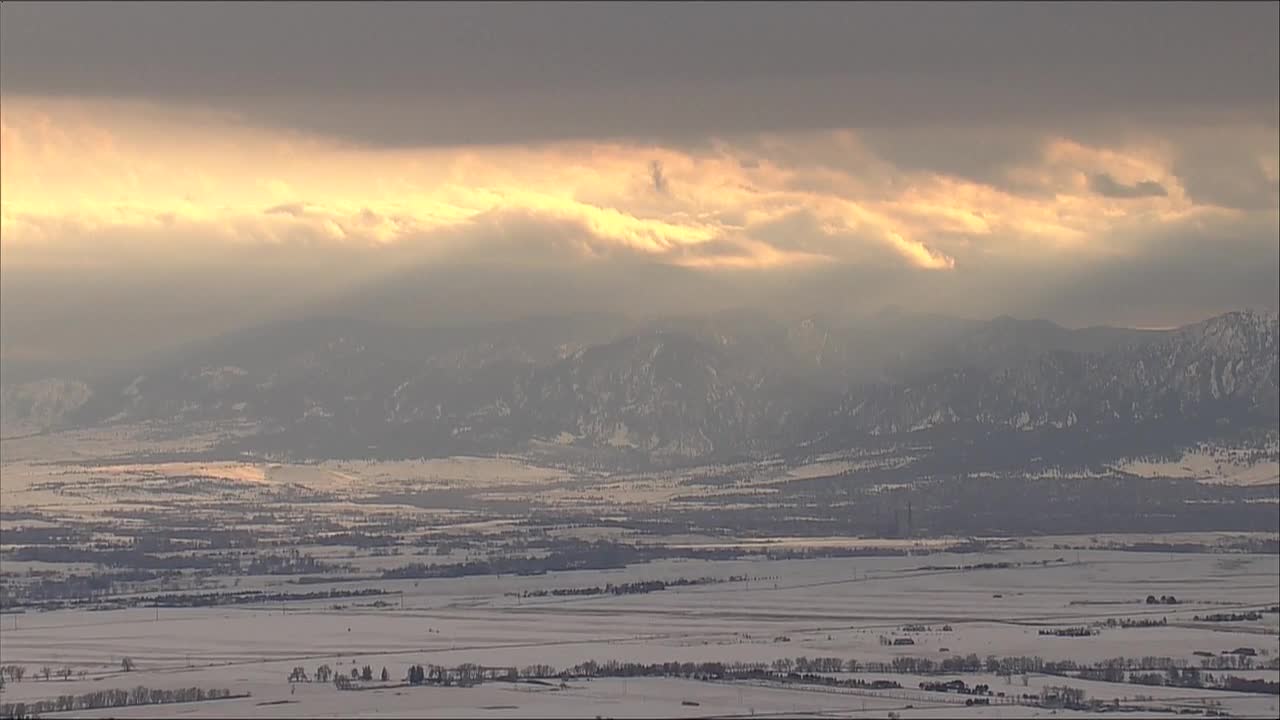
(539, 590)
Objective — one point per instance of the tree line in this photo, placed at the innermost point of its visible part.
(1229, 617)
(631, 588)
(1173, 672)
(251, 596)
(1080, 631)
(110, 699)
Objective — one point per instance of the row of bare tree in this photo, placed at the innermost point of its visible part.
(108, 699)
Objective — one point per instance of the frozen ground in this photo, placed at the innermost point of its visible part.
(827, 607)
(1213, 465)
(461, 509)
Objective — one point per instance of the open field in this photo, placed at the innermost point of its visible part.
(229, 575)
(832, 607)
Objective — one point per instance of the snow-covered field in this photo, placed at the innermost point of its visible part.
(826, 607)
(1211, 465)
(443, 511)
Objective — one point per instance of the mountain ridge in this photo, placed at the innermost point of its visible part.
(689, 388)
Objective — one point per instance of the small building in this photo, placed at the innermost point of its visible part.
(903, 641)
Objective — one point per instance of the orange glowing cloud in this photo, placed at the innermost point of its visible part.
(129, 167)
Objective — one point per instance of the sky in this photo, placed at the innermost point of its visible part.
(173, 171)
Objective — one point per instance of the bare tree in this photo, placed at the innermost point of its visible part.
(127, 664)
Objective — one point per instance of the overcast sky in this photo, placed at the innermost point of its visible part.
(170, 171)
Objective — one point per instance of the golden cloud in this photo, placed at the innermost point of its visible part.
(121, 167)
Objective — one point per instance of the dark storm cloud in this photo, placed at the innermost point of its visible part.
(1107, 186)
(438, 73)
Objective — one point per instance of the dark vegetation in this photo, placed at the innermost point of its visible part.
(1126, 623)
(113, 699)
(1229, 617)
(1069, 632)
(251, 596)
(855, 504)
(631, 588)
(818, 671)
(606, 555)
(1147, 670)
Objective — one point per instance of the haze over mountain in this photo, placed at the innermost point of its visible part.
(342, 249)
(695, 388)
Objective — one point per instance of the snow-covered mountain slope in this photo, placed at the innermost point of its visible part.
(700, 387)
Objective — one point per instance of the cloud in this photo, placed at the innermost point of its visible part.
(294, 209)
(1169, 274)
(459, 74)
(765, 201)
(146, 293)
(169, 219)
(1238, 169)
(1105, 185)
(364, 196)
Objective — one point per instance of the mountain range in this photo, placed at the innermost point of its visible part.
(698, 388)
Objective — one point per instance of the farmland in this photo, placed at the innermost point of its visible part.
(237, 577)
